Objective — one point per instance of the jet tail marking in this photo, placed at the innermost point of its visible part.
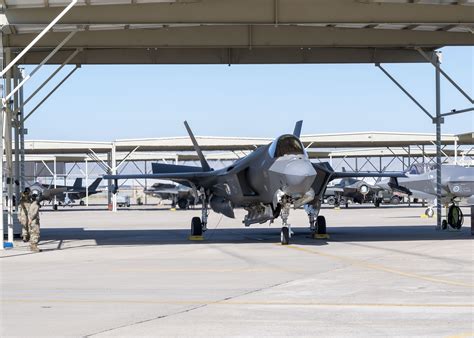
(204, 164)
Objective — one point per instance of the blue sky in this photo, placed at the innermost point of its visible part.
(103, 103)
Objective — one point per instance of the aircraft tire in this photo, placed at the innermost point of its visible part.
(196, 226)
(429, 212)
(183, 203)
(81, 203)
(285, 236)
(377, 202)
(395, 200)
(444, 224)
(55, 207)
(331, 200)
(321, 225)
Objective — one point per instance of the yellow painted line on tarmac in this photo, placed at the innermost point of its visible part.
(462, 335)
(379, 267)
(235, 302)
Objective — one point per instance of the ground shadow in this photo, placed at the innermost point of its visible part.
(252, 235)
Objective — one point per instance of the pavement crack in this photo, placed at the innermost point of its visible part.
(192, 308)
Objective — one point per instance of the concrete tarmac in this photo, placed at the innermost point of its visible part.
(383, 272)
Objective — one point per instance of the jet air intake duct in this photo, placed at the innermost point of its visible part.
(222, 205)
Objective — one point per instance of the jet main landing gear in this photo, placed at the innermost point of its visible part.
(285, 234)
(199, 225)
(317, 223)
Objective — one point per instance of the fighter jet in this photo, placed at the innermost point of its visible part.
(65, 195)
(348, 189)
(266, 183)
(457, 183)
(179, 194)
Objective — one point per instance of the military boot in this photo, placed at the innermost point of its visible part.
(34, 248)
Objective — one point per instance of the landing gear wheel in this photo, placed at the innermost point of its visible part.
(55, 207)
(377, 202)
(455, 217)
(285, 236)
(395, 200)
(321, 225)
(183, 204)
(196, 227)
(444, 224)
(81, 203)
(331, 200)
(429, 212)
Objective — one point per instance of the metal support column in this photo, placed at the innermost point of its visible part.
(114, 172)
(146, 183)
(2, 122)
(8, 149)
(109, 182)
(16, 125)
(438, 121)
(22, 139)
(87, 182)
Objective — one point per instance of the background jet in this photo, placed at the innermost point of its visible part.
(65, 195)
(179, 194)
(266, 183)
(457, 182)
(348, 189)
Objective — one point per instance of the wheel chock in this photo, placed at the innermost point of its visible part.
(319, 236)
(423, 216)
(172, 209)
(196, 238)
(337, 208)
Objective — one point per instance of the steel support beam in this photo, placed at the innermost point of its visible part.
(41, 64)
(436, 63)
(404, 90)
(10, 64)
(69, 58)
(52, 92)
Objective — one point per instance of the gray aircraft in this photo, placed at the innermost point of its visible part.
(266, 183)
(347, 189)
(457, 182)
(179, 194)
(63, 194)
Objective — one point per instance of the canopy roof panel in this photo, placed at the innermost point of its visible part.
(208, 143)
(239, 31)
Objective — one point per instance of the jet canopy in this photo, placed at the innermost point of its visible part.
(286, 145)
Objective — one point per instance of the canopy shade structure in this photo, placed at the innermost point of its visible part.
(238, 31)
(213, 143)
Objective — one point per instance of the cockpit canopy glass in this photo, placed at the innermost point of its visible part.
(286, 145)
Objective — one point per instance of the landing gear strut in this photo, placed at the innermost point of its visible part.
(317, 223)
(285, 234)
(199, 225)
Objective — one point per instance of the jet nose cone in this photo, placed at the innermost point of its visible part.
(296, 176)
(297, 172)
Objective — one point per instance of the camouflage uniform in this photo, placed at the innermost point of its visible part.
(34, 225)
(25, 203)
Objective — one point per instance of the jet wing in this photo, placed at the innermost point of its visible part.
(197, 178)
(345, 174)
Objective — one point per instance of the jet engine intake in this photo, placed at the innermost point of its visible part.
(222, 205)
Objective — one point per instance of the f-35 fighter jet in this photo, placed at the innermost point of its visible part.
(457, 183)
(266, 183)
